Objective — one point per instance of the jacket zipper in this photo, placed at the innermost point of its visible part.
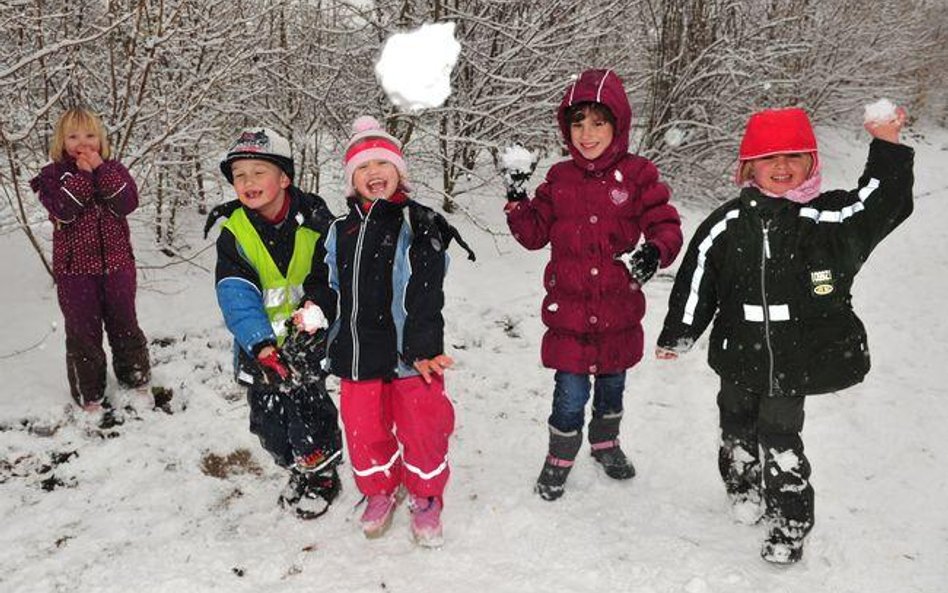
(353, 318)
(765, 255)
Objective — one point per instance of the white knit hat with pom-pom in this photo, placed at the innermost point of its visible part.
(370, 142)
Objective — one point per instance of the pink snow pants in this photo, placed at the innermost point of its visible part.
(397, 433)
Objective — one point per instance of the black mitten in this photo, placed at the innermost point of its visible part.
(304, 352)
(642, 263)
(515, 180)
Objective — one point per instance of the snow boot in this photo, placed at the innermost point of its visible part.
(377, 516)
(314, 462)
(747, 507)
(102, 414)
(309, 494)
(426, 527)
(739, 464)
(559, 461)
(784, 544)
(604, 444)
(788, 496)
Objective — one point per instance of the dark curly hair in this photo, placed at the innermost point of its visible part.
(577, 112)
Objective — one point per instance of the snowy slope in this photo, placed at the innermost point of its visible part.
(131, 509)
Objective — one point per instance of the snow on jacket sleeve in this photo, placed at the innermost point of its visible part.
(881, 202)
(240, 298)
(62, 192)
(116, 188)
(694, 299)
(530, 220)
(424, 295)
(659, 220)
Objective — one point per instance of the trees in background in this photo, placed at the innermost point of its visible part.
(174, 79)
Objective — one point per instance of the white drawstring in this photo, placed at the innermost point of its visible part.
(599, 90)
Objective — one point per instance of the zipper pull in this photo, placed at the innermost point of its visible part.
(766, 242)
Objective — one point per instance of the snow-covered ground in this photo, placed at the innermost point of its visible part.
(135, 509)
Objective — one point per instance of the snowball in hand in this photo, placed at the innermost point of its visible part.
(415, 67)
(881, 111)
(517, 158)
(312, 318)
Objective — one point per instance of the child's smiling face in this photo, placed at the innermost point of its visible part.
(260, 185)
(375, 179)
(779, 173)
(81, 140)
(591, 135)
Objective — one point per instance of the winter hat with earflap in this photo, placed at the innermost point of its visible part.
(781, 131)
(369, 142)
(259, 143)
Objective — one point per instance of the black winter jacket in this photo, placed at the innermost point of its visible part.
(776, 277)
(386, 270)
(233, 269)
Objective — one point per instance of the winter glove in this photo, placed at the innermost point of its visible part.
(304, 351)
(515, 180)
(642, 263)
(274, 366)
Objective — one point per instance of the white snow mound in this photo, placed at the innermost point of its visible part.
(414, 68)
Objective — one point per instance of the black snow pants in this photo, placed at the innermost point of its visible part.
(755, 424)
(295, 421)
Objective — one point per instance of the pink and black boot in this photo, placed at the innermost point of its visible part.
(559, 461)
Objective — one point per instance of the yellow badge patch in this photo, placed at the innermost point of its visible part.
(822, 282)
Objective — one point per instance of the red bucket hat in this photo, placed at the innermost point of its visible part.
(777, 131)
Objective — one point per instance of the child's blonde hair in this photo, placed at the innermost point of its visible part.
(82, 119)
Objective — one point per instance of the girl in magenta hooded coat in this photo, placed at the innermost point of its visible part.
(593, 210)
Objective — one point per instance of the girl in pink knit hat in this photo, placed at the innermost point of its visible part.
(773, 269)
(386, 265)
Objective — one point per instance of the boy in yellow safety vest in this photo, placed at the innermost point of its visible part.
(266, 251)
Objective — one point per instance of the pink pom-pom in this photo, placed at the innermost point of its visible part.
(364, 124)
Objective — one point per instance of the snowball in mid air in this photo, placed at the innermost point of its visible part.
(674, 137)
(415, 67)
(881, 111)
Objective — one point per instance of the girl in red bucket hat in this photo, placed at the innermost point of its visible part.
(774, 270)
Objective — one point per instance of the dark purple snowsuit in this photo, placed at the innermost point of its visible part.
(95, 272)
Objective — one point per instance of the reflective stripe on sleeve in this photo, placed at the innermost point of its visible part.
(844, 213)
(692, 303)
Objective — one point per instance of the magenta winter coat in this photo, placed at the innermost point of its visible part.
(88, 211)
(589, 211)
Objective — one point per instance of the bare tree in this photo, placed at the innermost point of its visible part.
(174, 81)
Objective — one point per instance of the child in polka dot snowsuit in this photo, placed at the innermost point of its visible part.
(88, 197)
